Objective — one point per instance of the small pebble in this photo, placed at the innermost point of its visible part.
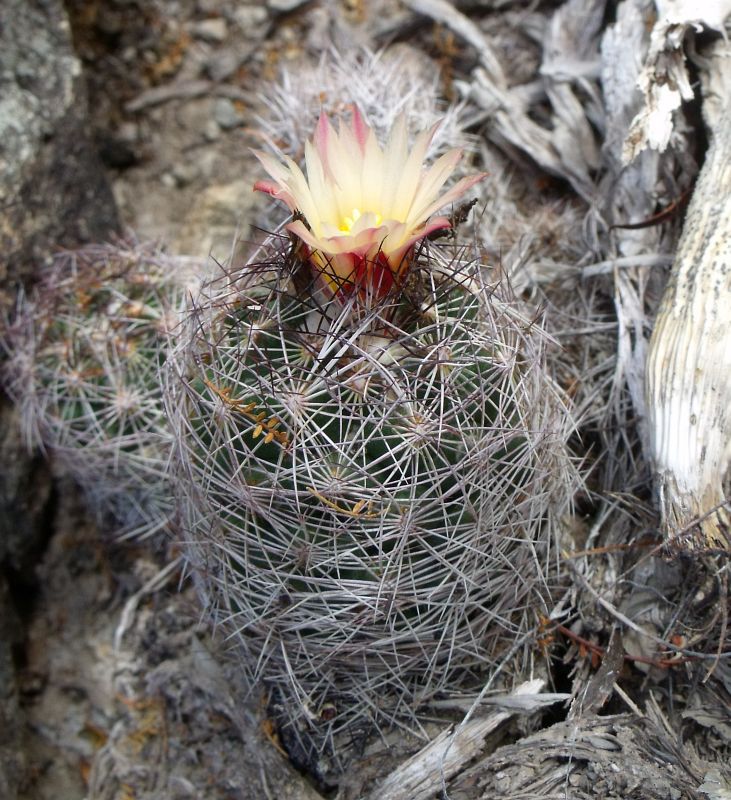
(168, 181)
(211, 30)
(285, 5)
(185, 173)
(225, 114)
(212, 131)
(221, 66)
(249, 18)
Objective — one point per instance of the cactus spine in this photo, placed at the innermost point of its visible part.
(85, 349)
(364, 487)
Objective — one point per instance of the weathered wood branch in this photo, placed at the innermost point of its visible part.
(689, 360)
(420, 777)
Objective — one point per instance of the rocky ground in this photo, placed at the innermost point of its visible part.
(113, 685)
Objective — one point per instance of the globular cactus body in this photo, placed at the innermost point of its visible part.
(85, 349)
(364, 486)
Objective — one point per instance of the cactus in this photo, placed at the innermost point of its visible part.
(368, 492)
(369, 457)
(85, 348)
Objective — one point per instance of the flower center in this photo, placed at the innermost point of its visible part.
(346, 224)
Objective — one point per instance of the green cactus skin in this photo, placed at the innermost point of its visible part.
(364, 492)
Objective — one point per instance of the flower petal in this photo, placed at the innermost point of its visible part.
(431, 182)
(395, 158)
(273, 167)
(298, 228)
(450, 195)
(372, 174)
(360, 128)
(297, 184)
(276, 191)
(321, 188)
(410, 173)
(321, 140)
(347, 161)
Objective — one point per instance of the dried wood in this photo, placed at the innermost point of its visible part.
(608, 757)
(444, 12)
(715, 787)
(664, 80)
(689, 362)
(184, 90)
(421, 776)
(627, 195)
(554, 147)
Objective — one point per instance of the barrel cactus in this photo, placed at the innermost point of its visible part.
(370, 457)
(85, 348)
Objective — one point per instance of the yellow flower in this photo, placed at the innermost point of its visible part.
(362, 208)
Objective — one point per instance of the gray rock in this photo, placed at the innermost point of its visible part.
(285, 5)
(208, 6)
(210, 30)
(52, 188)
(226, 115)
(52, 192)
(223, 64)
(212, 131)
(185, 173)
(251, 19)
(168, 180)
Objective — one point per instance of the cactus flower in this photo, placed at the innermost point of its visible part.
(361, 208)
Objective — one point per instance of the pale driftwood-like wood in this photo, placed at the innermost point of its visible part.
(567, 147)
(689, 360)
(664, 80)
(420, 777)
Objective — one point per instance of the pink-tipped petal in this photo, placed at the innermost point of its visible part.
(267, 187)
(398, 256)
(408, 181)
(331, 245)
(322, 140)
(321, 187)
(297, 184)
(431, 183)
(395, 157)
(337, 271)
(350, 244)
(277, 192)
(372, 174)
(436, 224)
(449, 196)
(360, 128)
(273, 167)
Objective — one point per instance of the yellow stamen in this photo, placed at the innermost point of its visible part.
(346, 226)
